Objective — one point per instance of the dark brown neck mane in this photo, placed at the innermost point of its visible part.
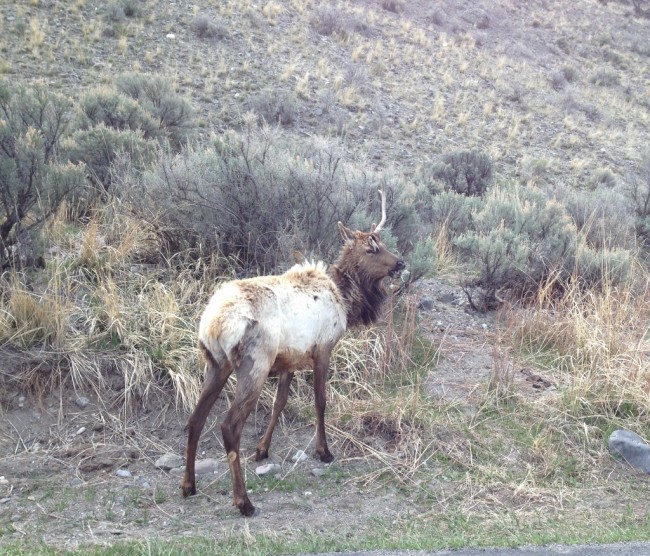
(363, 295)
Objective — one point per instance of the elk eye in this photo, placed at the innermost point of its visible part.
(372, 246)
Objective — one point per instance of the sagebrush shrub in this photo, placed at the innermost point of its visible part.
(520, 239)
(116, 110)
(638, 195)
(331, 21)
(256, 198)
(601, 215)
(466, 172)
(452, 211)
(205, 28)
(100, 147)
(34, 180)
(274, 107)
(605, 78)
(157, 97)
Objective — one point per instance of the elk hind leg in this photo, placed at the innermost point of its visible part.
(284, 384)
(215, 378)
(250, 379)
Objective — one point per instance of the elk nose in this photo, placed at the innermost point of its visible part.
(401, 265)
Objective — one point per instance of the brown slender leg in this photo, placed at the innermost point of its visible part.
(249, 386)
(321, 368)
(215, 378)
(284, 385)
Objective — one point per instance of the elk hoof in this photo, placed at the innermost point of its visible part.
(188, 490)
(248, 510)
(325, 456)
(261, 454)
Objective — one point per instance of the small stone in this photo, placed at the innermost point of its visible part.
(446, 298)
(318, 471)
(3, 481)
(77, 482)
(206, 466)
(170, 36)
(81, 401)
(268, 469)
(299, 456)
(145, 485)
(15, 518)
(81, 430)
(425, 304)
(177, 471)
(124, 473)
(632, 448)
(168, 461)
(4, 500)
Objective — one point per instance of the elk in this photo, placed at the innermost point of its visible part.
(276, 325)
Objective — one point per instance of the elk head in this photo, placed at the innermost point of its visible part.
(367, 254)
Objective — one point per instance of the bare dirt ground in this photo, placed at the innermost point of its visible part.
(74, 475)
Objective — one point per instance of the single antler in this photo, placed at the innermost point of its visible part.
(379, 226)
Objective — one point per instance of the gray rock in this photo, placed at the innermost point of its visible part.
(124, 473)
(77, 482)
(299, 456)
(81, 402)
(632, 448)
(206, 466)
(268, 469)
(425, 304)
(177, 471)
(15, 518)
(446, 298)
(318, 471)
(169, 461)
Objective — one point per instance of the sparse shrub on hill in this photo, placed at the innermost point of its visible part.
(117, 10)
(156, 96)
(116, 110)
(520, 240)
(129, 122)
(465, 172)
(33, 180)
(333, 22)
(605, 78)
(395, 6)
(274, 107)
(205, 28)
(641, 7)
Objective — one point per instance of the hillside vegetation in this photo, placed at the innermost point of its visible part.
(150, 150)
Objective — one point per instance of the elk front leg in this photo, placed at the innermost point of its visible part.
(215, 378)
(284, 385)
(321, 368)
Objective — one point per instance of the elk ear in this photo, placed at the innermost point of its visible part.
(346, 233)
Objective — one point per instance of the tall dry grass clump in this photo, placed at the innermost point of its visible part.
(107, 303)
(596, 344)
